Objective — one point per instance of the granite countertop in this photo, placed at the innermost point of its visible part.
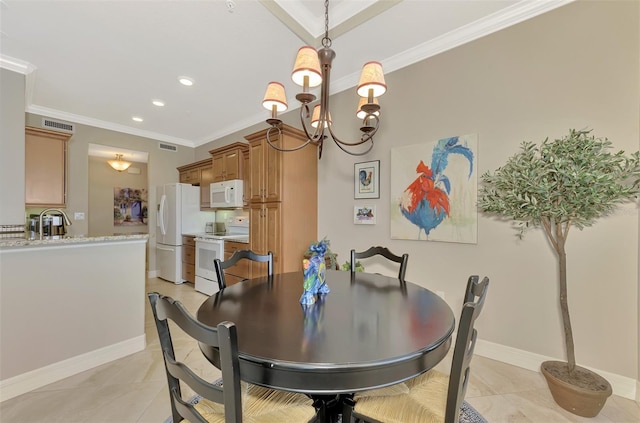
(65, 240)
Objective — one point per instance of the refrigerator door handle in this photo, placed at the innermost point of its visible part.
(163, 200)
(158, 247)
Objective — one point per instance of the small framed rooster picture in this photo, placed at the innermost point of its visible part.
(367, 179)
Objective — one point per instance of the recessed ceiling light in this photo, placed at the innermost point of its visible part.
(137, 119)
(185, 80)
(158, 103)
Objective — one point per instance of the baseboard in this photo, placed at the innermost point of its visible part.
(623, 386)
(34, 379)
(152, 274)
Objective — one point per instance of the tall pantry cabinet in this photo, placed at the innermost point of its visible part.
(283, 195)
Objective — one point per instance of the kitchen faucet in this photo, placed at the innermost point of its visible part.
(66, 219)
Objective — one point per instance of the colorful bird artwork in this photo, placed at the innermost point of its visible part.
(425, 202)
(365, 178)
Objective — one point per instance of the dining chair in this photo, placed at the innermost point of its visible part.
(432, 396)
(383, 251)
(220, 266)
(227, 402)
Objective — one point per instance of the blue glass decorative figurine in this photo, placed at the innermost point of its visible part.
(314, 273)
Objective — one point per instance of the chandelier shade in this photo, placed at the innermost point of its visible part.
(307, 65)
(275, 96)
(315, 117)
(119, 164)
(371, 78)
(312, 68)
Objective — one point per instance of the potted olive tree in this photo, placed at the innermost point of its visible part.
(557, 185)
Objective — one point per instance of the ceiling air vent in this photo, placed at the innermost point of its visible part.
(58, 126)
(167, 147)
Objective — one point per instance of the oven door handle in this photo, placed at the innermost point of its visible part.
(208, 240)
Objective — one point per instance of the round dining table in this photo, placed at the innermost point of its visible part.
(369, 331)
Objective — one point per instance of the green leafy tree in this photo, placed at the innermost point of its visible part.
(559, 184)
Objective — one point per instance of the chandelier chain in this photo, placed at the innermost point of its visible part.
(326, 41)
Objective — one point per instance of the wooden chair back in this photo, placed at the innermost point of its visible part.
(383, 251)
(224, 337)
(474, 297)
(220, 266)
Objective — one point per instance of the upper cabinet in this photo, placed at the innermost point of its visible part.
(45, 167)
(228, 162)
(201, 174)
(264, 169)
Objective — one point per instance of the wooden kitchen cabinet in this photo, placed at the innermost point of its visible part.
(45, 167)
(228, 162)
(242, 269)
(199, 173)
(265, 232)
(189, 258)
(284, 199)
(264, 170)
(191, 176)
(206, 177)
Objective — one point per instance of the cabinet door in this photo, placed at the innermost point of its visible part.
(256, 171)
(240, 269)
(273, 174)
(206, 177)
(265, 235)
(218, 167)
(45, 167)
(273, 233)
(232, 165)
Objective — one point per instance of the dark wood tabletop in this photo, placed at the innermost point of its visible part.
(369, 331)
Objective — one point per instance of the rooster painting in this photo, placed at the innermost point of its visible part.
(426, 201)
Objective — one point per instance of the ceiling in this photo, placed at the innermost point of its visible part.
(101, 63)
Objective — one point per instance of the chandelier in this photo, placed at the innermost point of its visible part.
(313, 68)
(119, 164)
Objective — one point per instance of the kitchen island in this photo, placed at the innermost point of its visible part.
(68, 305)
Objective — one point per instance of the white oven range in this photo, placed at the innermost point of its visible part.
(207, 249)
(210, 246)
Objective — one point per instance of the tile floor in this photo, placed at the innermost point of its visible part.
(133, 389)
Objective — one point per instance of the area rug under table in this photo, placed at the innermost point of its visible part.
(468, 414)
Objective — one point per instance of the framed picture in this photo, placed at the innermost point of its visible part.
(434, 190)
(367, 179)
(364, 215)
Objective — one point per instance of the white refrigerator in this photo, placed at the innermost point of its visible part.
(178, 213)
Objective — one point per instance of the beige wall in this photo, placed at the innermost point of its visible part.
(12, 87)
(575, 67)
(102, 181)
(58, 319)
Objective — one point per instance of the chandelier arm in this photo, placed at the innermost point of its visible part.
(318, 133)
(365, 137)
(286, 150)
(362, 153)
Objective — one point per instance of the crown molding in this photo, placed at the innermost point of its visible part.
(70, 117)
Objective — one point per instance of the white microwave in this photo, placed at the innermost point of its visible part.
(226, 194)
